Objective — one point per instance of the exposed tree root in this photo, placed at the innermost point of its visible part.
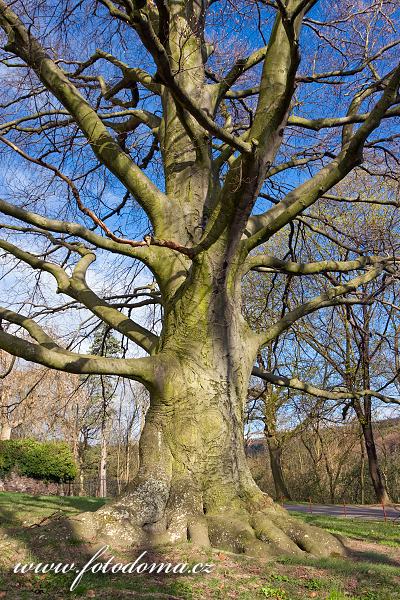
(147, 519)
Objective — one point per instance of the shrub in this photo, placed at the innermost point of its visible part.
(51, 461)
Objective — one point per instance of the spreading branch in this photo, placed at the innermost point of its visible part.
(324, 300)
(301, 386)
(22, 43)
(76, 287)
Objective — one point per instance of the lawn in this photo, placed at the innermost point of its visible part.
(380, 532)
(24, 509)
(371, 571)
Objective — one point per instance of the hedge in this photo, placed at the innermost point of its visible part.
(51, 461)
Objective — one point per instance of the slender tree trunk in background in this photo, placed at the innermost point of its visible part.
(119, 474)
(5, 425)
(362, 470)
(275, 457)
(5, 431)
(103, 460)
(312, 444)
(363, 409)
(127, 463)
(77, 451)
(81, 464)
(81, 482)
(365, 419)
(5, 434)
(331, 476)
(81, 461)
(118, 470)
(127, 448)
(271, 405)
(377, 478)
(75, 447)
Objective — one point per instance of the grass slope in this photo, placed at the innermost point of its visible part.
(24, 509)
(379, 532)
(370, 572)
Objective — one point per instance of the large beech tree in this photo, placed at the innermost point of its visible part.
(201, 111)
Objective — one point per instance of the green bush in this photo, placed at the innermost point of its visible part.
(51, 461)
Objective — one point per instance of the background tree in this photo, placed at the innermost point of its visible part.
(360, 358)
(351, 346)
(102, 392)
(268, 401)
(326, 461)
(7, 365)
(220, 156)
(133, 404)
(32, 398)
(48, 405)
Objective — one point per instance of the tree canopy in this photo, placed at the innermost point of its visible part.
(197, 138)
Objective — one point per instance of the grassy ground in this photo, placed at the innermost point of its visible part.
(379, 532)
(371, 571)
(24, 509)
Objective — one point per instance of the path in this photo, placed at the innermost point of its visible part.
(353, 510)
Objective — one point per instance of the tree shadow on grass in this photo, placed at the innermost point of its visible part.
(74, 502)
(375, 557)
(56, 541)
(377, 566)
(27, 510)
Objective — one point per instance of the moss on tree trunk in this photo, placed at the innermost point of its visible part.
(194, 483)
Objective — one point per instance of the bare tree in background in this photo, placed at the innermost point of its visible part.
(7, 365)
(32, 399)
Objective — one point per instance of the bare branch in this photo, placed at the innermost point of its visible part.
(324, 300)
(24, 45)
(301, 386)
(140, 369)
(86, 211)
(325, 266)
(328, 122)
(261, 227)
(148, 255)
(77, 288)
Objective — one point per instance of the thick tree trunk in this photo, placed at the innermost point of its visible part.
(194, 482)
(377, 478)
(275, 457)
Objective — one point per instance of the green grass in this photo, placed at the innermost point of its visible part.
(24, 509)
(371, 573)
(375, 580)
(373, 531)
